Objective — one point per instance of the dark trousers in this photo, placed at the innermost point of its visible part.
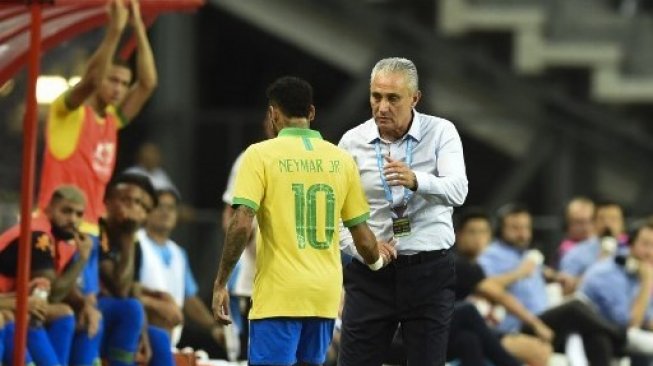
(414, 291)
(472, 342)
(602, 340)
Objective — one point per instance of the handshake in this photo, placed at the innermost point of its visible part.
(387, 253)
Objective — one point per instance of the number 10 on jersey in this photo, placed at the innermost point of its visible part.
(306, 212)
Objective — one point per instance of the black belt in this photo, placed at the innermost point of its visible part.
(421, 257)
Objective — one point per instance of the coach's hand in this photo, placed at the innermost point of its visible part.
(398, 173)
(388, 251)
(221, 304)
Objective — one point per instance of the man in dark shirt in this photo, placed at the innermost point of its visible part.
(54, 240)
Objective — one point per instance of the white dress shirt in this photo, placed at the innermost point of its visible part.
(439, 166)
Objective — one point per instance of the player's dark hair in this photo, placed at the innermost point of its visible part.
(294, 96)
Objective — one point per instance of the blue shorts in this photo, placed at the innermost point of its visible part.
(286, 341)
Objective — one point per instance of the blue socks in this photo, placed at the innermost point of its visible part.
(40, 348)
(123, 323)
(2, 344)
(60, 332)
(161, 348)
(8, 357)
(86, 350)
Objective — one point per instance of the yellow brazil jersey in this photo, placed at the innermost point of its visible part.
(301, 187)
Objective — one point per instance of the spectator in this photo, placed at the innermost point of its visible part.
(579, 223)
(473, 234)
(620, 289)
(610, 220)
(148, 163)
(610, 225)
(600, 338)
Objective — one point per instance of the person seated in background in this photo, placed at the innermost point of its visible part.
(610, 225)
(148, 163)
(473, 235)
(162, 269)
(128, 199)
(71, 253)
(578, 225)
(52, 325)
(601, 339)
(620, 290)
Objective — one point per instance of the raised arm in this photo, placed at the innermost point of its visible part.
(145, 68)
(99, 64)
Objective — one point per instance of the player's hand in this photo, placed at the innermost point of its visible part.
(118, 15)
(221, 304)
(136, 18)
(89, 319)
(84, 245)
(398, 173)
(37, 308)
(388, 251)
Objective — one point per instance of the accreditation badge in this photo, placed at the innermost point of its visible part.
(401, 226)
(400, 223)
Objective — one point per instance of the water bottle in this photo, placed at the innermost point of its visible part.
(42, 293)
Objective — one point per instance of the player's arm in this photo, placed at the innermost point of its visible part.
(236, 239)
(145, 69)
(365, 242)
(64, 283)
(227, 213)
(99, 64)
(118, 274)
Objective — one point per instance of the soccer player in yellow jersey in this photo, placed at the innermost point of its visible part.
(299, 187)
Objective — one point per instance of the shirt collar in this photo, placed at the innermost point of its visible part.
(415, 130)
(300, 132)
(511, 247)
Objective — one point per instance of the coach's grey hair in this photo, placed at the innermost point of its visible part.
(398, 64)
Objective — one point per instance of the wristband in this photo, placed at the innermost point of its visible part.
(377, 265)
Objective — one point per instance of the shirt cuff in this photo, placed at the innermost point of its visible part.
(424, 182)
